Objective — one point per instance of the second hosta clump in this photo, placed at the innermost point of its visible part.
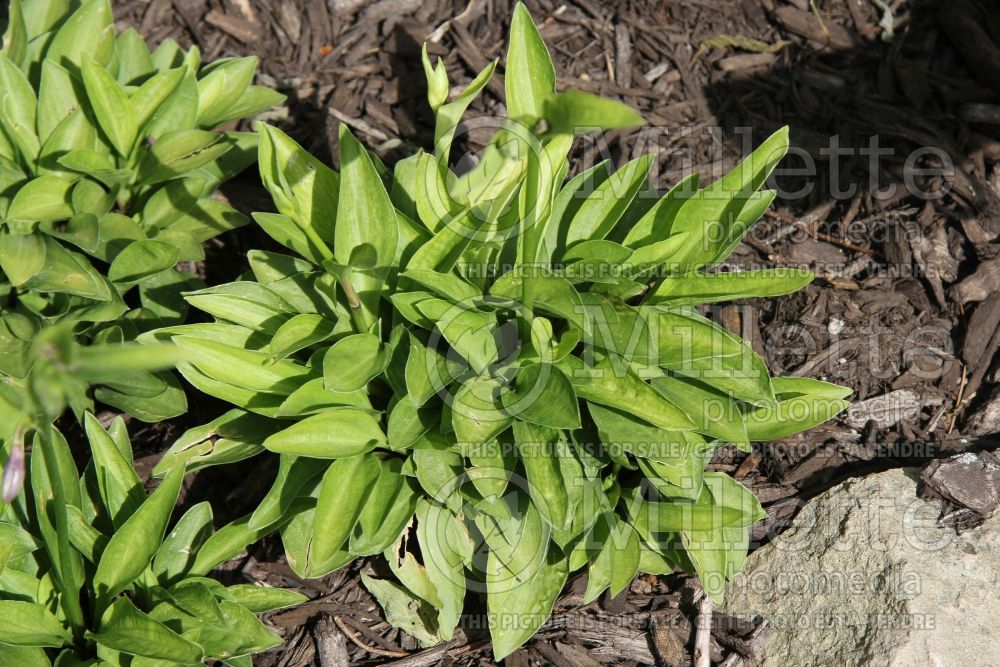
(496, 378)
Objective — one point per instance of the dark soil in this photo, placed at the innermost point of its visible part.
(905, 311)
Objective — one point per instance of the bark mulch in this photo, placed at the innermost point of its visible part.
(906, 308)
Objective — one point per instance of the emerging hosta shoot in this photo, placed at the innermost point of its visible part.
(495, 378)
(90, 574)
(108, 160)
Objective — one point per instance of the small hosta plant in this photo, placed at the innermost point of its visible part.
(498, 377)
(89, 573)
(108, 163)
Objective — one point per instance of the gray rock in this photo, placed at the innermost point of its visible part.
(865, 576)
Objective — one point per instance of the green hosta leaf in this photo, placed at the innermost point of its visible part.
(335, 433)
(69, 272)
(791, 387)
(234, 436)
(543, 395)
(132, 547)
(177, 153)
(718, 553)
(126, 629)
(284, 230)
(696, 289)
(21, 256)
(222, 87)
(446, 285)
(353, 361)
(530, 76)
(89, 31)
(388, 508)
(15, 38)
(112, 107)
(23, 656)
(74, 133)
(29, 624)
(304, 189)
(298, 333)
(576, 112)
(41, 199)
(623, 389)
(791, 415)
(617, 560)
(449, 115)
(177, 552)
(149, 98)
(712, 214)
(253, 101)
(714, 413)
(540, 456)
(178, 112)
(121, 489)
(444, 545)
(17, 108)
(225, 544)
(476, 413)
(294, 472)
(57, 97)
(366, 229)
(259, 599)
(517, 609)
(142, 259)
(297, 536)
(252, 370)
(134, 60)
(247, 303)
(343, 493)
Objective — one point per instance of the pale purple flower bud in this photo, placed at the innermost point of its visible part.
(13, 473)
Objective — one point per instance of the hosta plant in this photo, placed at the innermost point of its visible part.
(90, 575)
(498, 377)
(108, 163)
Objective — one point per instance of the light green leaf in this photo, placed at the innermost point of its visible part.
(41, 199)
(112, 107)
(243, 368)
(126, 629)
(543, 395)
(353, 361)
(577, 112)
(298, 333)
(518, 609)
(89, 31)
(342, 495)
(694, 289)
(366, 229)
(177, 552)
(17, 108)
(260, 598)
(21, 256)
(177, 153)
(30, 624)
(142, 259)
(222, 87)
(335, 433)
(132, 547)
(529, 75)
(623, 389)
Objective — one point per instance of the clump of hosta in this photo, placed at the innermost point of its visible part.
(496, 378)
(108, 162)
(89, 573)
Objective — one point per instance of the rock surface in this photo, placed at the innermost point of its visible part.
(866, 577)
